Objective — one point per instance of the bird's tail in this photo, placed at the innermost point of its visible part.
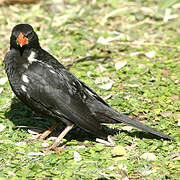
(112, 114)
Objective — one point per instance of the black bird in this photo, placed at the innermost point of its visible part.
(47, 87)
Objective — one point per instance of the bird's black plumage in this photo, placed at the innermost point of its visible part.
(46, 86)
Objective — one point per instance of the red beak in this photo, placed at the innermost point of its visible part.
(21, 40)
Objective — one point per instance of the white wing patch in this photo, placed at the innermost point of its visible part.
(25, 78)
(23, 88)
(32, 58)
(52, 71)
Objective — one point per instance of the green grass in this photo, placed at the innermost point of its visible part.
(146, 88)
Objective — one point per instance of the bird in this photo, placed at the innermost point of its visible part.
(42, 83)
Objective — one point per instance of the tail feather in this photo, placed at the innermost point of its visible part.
(117, 117)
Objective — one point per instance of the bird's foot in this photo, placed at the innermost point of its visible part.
(54, 147)
(109, 141)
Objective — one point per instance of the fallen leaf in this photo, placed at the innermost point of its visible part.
(142, 66)
(3, 80)
(112, 14)
(79, 147)
(150, 54)
(34, 131)
(107, 40)
(133, 85)
(179, 123)
(100, 68)
(2, 127)
(45, 144)
(166, 72)
(77, 156)
(107, 86)
(120, 64)
(173, 77)
(152, 79)
(168, 15)
(22, 143)
(11, 173)
(148, 156)
(175, 157)
(127, 128)
(100, 80)
(165, 114)
(107, 97)
(118, 151)
(102, 40)
(174, 97)
(36, 154)
(134, 54)
(148, 172)
(52, 138)
(133, 78)
(127, 97)
(89, 74)
(1, 89)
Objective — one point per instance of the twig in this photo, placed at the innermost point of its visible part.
(88, 58)
(149, 44)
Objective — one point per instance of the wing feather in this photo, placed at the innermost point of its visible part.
(61, 93)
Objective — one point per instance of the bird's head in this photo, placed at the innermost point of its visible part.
(23, 36)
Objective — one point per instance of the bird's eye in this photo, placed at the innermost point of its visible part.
(29, 35)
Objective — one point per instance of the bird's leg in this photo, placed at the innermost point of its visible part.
(109, 141)
(49, 131)
(60, 137)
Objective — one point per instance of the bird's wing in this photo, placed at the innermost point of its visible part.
(62, 94)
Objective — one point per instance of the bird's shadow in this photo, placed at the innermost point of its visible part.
(24, 118)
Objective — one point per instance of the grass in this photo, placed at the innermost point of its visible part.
(139, 33)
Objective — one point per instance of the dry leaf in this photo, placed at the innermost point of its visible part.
(77, 156)
(152, 79)
(133, 85)
(1, 89)
(150, 54)
(3, 80)
(174, 97)
(2, 127)
(134, 54)
(133, 78)
(36, 154)
(22, 143)
(142, 66)
(127, 97)
(179, 123)
(52, 138)
(34, 131)
(127, 128)
(104, 41)
(166, 72)
(11, 173)
(165, 114)
(148, 156)
(148, 172)
(118, 151)
(173, 77)
(45, 144)
(89, 74)
(107, 86)
(168, 15)
(100, 80)
(107, 97)
(120, 64)
(100, 68)
(175, 157)
(176, 115)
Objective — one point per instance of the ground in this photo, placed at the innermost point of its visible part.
(128, 52)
